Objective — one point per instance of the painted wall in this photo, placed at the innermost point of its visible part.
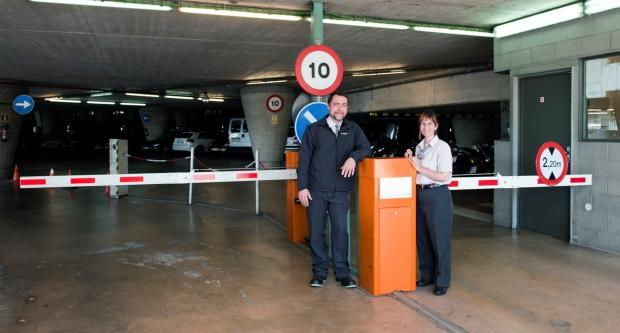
(559, 47)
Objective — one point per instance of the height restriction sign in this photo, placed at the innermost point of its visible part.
(551, 163)
(318, 70)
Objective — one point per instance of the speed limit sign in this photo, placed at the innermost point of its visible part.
(551, 163)
(319, 70)
(275, 103)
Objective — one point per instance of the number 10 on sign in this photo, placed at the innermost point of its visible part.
(319, 70)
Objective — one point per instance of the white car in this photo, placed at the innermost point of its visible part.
(201, 142)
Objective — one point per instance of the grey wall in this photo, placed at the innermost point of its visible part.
(559, 47)
(14, 125)
(457, 89)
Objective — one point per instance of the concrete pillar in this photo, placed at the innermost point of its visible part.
(268, 130)
(155, 122)
(11, 122)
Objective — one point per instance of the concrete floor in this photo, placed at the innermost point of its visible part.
(75, 261)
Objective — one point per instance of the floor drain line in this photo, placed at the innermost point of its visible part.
(428, 314)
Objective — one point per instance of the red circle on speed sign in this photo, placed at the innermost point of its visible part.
(274, 103)
(551, 163)
(318, 70)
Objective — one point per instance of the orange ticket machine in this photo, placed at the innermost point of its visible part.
(387, 225)
(296, 218)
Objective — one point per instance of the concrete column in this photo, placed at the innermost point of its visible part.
(155, 122)
(268, 130)
(12, 122)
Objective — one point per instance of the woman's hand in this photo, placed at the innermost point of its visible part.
(417, 165)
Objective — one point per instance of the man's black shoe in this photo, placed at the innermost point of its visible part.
(440, 291)
(317, 282)
(347, 282)
(424, 282)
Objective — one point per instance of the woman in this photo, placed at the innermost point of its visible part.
(433, 162)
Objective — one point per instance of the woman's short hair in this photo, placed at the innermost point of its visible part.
(427, 114)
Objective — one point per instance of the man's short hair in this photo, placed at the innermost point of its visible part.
(339, 93)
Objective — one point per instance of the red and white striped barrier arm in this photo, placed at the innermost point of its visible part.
(458, 183)
(508, 182)
(156, 178)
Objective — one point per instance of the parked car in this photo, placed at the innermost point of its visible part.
(158, 146)
(291, 140)
(238, 134)
(200, 141)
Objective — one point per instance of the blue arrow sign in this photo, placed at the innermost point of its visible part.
(146, 117)
(309, 114)
(23, 104)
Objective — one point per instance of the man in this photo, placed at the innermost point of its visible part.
(328, 156)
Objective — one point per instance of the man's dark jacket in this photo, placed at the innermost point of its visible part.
(322, 153)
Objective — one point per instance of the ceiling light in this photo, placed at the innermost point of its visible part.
(101, 94)
(179, 97)
(392, 72)
(142, 95)
(537, 21)
(239, 13)
(265, 82)
(60, 100)
(132, 104)
(597, 6)
(454, 31)
(216, 99)
(367, 24)
(113, 4)
(100, 102)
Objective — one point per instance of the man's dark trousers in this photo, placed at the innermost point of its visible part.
(336, 204)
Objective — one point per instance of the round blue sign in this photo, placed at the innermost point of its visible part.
(23, 104)
(309, 114)
(146, 117)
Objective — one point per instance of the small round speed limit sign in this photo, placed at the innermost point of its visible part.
(551, 163)
(319, 70)
(275, 103)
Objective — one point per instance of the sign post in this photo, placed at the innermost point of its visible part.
(551, 163)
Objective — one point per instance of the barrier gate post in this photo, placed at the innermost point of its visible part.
(296, 219)
(387, 225)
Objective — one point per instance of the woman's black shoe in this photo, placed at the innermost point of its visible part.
(440, 291)
(424, 282)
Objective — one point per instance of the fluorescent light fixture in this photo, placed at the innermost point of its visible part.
(132, 104)
(113, 4)
(265, 82)
(101, 94)
(366, 24)
(100, 102)
(392, 72)
(179, 97)
(598, 112)
(597, 6)
(454, 31)
(142, 95)
(541, 20)
(216, 99)
(239, 13)
(60, 100)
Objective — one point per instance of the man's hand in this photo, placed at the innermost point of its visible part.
(348, 168)
(304, 197)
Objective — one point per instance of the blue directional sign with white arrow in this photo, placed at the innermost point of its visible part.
(23, 104)
(309, 114)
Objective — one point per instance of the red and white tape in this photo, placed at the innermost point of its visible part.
(508, 182)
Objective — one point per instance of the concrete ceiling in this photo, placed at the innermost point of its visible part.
(54, 48)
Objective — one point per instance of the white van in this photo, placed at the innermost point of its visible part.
(238, 134)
